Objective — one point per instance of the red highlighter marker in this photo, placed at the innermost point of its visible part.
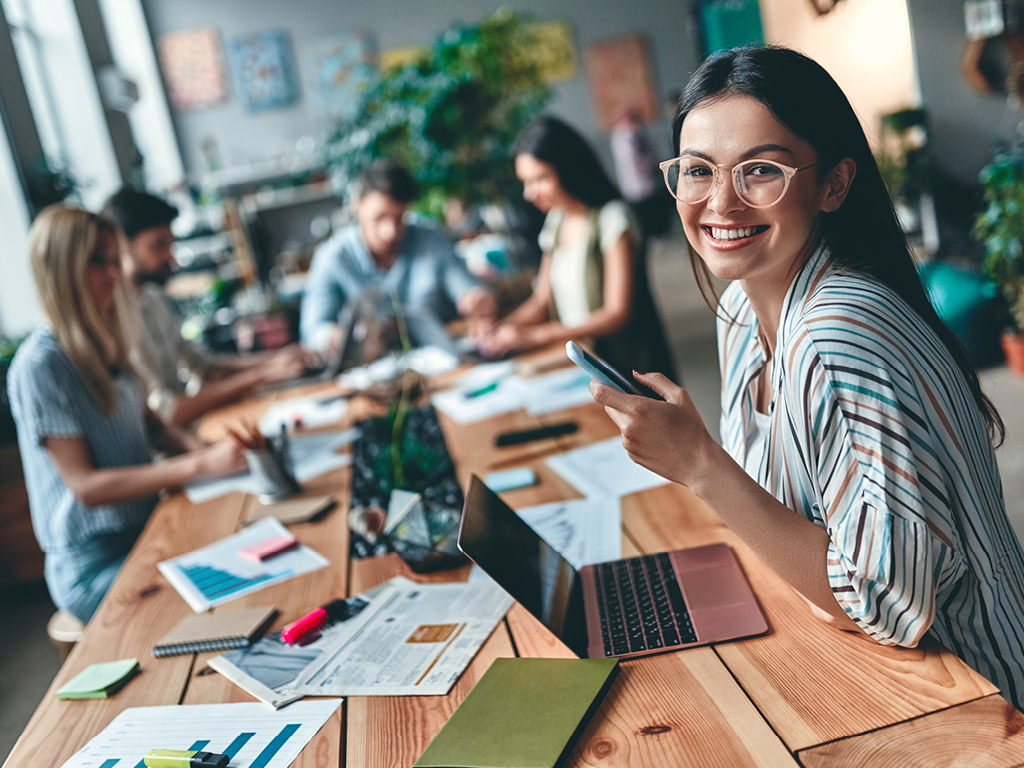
(311, 621)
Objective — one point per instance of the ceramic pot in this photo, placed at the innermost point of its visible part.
(1013, 348)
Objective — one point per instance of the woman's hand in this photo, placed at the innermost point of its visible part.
(508, 337)
(669, 437)
(221, 458)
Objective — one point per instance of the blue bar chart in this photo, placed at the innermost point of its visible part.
(215, 583)
(249, 734)
(219, 572)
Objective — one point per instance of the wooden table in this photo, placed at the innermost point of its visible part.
(803, 694)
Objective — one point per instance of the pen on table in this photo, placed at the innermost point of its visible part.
(180, 758)
(482, 391)
(313, 621)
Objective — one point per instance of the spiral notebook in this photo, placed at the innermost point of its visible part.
(218, 631)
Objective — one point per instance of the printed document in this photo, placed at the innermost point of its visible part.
(604, 469)
(412, 641)
(584, 531)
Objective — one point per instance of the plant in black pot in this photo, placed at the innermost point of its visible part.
(405, 494)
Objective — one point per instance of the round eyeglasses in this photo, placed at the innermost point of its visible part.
(758, 183)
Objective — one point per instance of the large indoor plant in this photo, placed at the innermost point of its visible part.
(1000, 228)
(451, 116)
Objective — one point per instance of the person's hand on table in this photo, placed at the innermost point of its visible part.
(505, 338)
(222, 458)
(286, 363)
(668, 438)
(478, 305)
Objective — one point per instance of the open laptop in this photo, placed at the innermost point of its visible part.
(630, 607)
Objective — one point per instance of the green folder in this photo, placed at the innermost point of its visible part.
(524, 713)
(98, 681)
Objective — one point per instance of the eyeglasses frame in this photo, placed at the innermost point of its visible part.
(787, 170)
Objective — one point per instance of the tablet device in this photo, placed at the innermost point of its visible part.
(599, 369)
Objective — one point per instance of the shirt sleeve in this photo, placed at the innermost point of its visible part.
(546, 238)
(323, 298)
(878, 495)
(47, 389)
(615, 220)
(457, 277)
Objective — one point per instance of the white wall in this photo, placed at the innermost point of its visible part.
(150, 117)
(864, 44)
(19, 307)
(243, 137)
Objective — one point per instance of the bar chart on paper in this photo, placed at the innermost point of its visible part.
(250, 734)
(218, 572)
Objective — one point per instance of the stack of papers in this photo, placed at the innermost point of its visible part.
(99, 681)
(414, 640)
(404, 639)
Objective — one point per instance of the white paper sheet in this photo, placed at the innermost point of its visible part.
(312, 456)
(253, 735)
(604, 469)
(309, 411)
(584, 531)
(413, 641)
(557, 391)
(216, 573)
(508, 396)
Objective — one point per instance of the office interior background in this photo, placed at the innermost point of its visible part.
(91, 100)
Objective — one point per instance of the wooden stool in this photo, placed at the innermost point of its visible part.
(64, 630)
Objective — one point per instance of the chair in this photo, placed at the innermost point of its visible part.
(64, 630)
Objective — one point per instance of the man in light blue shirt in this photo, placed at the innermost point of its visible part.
(393, 251)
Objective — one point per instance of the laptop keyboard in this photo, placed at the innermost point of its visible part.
(641, 605)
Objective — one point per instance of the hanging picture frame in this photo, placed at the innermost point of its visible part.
(263, 69)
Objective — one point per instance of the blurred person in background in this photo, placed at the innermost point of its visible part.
(592, 282)
(183, 380)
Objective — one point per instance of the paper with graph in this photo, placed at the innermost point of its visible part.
(252, 735)
(217, 573)
(583, 531)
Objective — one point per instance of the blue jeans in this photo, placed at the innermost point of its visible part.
(79, 578)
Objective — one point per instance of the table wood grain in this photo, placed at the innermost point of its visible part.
(803, 688)
(985, 733)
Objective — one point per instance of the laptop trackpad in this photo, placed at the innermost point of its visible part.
(714, 587)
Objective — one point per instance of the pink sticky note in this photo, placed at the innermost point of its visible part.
(268, 548)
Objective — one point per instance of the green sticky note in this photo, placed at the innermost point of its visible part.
(98, 681)
(523, 713)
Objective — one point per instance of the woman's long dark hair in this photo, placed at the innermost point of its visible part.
(863, 234)
(579, 170)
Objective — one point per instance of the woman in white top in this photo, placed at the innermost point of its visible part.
(593, 281)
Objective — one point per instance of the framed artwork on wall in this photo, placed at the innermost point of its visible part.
(620, 80)
(193, 68)
(337, 69)
(264, 70)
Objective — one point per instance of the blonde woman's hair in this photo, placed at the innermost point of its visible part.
(61, 242)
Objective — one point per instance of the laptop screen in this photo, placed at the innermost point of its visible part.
(528, 568)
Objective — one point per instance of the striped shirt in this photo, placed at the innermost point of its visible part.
(874, 435)
(49, 399)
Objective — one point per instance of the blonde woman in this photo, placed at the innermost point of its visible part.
(83, 427)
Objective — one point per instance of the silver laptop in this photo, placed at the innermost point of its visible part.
(630, 607)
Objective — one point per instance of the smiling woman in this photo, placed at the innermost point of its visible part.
(857, 455)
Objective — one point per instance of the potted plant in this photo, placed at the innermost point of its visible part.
(451, 115)
(1000, 229)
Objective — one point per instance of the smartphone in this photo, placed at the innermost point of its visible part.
(599, 369)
